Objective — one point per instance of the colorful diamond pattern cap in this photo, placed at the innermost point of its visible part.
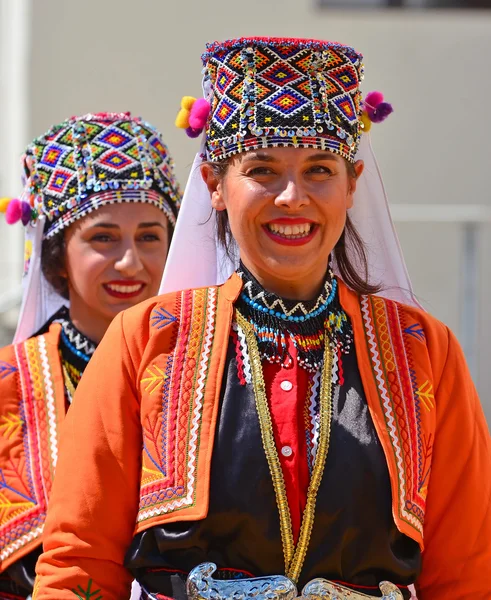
(90, 156)
(282, 92)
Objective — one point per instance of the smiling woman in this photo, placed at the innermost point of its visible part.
(329, 169)
(280, 433)
(108, 261)
(100, 204)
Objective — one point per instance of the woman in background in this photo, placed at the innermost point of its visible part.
(100, 204)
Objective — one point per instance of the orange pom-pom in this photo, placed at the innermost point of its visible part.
(187, 102)
(182, 119)
(4, 202)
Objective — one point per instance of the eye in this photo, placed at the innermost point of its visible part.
(319, 170)
(258, 171)
(101, 237)
(149, 237)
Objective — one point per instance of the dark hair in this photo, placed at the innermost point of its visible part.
(356, 277)
(53, 263)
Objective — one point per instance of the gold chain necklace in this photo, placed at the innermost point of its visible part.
(294, 555)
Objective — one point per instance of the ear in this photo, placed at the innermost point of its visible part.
(214, 185)
(358, 167)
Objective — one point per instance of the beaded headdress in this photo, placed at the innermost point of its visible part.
(263, 92)
(89, 161)
(73, 169)
(281, 92)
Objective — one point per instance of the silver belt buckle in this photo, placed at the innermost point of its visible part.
(201, 586)
(322, 589)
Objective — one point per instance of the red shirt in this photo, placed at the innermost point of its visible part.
(287, 389)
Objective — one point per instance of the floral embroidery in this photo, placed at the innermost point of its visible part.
(161, 318)
(171, 449)
(401, 399)
(88, 594)
(27, 469)
(6, 369)
(10, 425)
(155, 379)
(416, 331)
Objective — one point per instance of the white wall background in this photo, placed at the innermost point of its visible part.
(96, 55)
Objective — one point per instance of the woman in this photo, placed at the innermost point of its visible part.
(101, 203)
(288, 421)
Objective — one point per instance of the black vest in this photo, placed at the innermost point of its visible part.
(354, 538)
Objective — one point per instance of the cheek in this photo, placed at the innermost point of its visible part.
(84, 266)
(245, 201)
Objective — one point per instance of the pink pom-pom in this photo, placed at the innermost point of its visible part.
(373, 99)
(383, 110)
(26, 212)
(14, 211)
(199, 113)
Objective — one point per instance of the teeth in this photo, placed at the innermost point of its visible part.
(291, 231)
(124, 289)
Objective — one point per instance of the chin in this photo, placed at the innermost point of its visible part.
(288, 267)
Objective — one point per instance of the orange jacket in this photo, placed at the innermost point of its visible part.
(137, 443)
(32, 408)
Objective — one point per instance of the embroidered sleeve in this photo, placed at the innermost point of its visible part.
(458, 519)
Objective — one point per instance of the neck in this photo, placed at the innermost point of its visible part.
(308, 287)
(92, 326)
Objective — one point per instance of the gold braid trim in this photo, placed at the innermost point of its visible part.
(320, 461)
(294, 556)
(267, 437)
(68, 382)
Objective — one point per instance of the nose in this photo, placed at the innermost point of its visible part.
(129, 262)
(293, 195)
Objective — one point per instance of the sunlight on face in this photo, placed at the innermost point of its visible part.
(286, 207)
(115, 258)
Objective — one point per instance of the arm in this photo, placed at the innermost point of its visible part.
(457, 556)
(94, 501)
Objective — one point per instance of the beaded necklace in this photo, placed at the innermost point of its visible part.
(274, 320)
(76, 349)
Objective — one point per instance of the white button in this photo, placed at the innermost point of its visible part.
(286, 451)
(286, 386)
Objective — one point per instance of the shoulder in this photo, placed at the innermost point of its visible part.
(48, 338)
(425, 337)
(414, 321)
(159, 319)
(8, 364)
(17, 359)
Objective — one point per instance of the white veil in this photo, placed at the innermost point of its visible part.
(196, 260)
(39, 299)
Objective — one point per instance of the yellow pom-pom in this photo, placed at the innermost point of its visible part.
(4, 202)
(187, 102)
(182, 119)
(365, 122)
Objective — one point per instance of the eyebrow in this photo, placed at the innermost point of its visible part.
(265, 157)
(140, 225)
(322, 156)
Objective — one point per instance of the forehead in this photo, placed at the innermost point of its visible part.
(288, 154)
(127, 214)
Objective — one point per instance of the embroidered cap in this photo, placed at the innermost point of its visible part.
(282, 92)
(92, 160)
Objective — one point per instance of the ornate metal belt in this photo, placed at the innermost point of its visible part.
(201, 586)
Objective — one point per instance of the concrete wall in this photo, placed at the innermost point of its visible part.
(434, 66)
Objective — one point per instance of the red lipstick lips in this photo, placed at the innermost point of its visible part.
(124, 289)
(291, 232)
